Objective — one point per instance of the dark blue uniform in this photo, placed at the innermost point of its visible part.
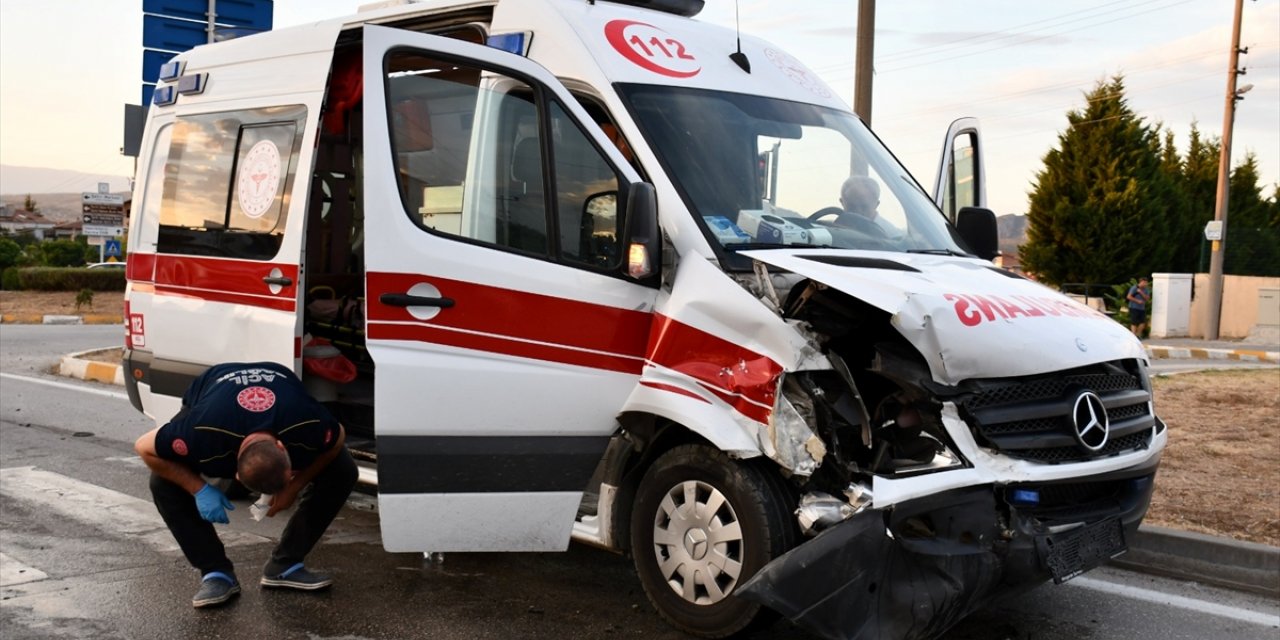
(231, 401)
(223, 406)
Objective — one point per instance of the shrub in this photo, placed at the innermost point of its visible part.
(70, 279)
(9, 279)
(10, 251)
(62, 253)
(84, 298)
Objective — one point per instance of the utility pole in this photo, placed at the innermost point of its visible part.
(865, 63)
(1213, 310)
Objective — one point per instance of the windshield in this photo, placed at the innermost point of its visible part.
(761, 172)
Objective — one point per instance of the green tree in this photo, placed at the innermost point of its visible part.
(1099, 208)
(1253, 238)
(1200, 188)
(29, 204)
(61, 253)
(9, 253)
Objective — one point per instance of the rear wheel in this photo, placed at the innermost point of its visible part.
(701, 525)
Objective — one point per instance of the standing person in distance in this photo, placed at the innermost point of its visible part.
(1139, 297)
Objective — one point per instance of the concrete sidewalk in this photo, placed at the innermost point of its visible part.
(1195, 557)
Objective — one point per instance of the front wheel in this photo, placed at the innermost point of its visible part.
(701, 525)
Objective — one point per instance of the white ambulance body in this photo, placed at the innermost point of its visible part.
(587, 262)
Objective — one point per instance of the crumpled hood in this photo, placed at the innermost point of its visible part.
(968, 318)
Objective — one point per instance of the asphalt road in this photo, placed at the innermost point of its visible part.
(84, 555)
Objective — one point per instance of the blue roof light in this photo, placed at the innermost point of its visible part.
(509, 42)
(164, 96)
(192, 84)
(171, 70)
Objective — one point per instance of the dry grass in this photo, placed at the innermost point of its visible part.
(1221, 472)
(59, 302)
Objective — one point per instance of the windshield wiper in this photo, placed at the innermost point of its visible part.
(941, 252)
(747, 246)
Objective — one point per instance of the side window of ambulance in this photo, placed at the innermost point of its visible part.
(227, 182)
(472, 161)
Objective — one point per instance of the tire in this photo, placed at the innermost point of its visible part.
(687, 556)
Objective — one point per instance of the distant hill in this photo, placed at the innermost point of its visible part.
(1013, 232)
(59, 207)
(17, 180)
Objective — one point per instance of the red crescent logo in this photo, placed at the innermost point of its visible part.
(645, 56)
(179, 447)
(256, 399)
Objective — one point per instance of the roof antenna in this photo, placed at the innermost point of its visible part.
(739, 58)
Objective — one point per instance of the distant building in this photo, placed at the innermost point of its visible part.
(14, 222)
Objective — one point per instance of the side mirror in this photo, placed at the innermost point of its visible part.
(642, 235)
(978, 228)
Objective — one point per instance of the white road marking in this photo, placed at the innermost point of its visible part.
(132, 461)
(63, 385)
(13, 572)
(1180, 602)
(110, 511)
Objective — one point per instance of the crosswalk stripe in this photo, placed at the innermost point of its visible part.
(110, 511)
(13, 572)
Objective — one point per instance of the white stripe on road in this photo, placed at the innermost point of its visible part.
(1180, 602)
(110, 511)
(63, 385)
(13, 572)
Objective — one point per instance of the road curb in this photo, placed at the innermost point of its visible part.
(35, 318)
(1185, 555)
(1160, 352)
(77, 365)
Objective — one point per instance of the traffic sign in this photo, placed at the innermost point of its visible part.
(112, 248)
(98, 231)
(103, 219)
(102, 198)
(151, 63)
(1213, 230)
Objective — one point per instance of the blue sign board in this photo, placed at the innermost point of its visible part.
(112, 248)
(151, 62)
(252, 14)
(172, 34)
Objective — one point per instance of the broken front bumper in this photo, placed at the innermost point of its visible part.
(915, 570)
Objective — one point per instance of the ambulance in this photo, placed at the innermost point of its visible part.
(588, 270)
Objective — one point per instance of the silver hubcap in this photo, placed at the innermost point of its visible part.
(698, 542)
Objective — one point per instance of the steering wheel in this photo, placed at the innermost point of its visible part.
(850, 220)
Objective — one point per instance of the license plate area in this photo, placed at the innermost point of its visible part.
(1071, 553)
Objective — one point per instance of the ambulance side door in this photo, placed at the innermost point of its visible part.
(504, 326)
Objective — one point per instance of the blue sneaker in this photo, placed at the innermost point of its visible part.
(215, 588)
(297, 577)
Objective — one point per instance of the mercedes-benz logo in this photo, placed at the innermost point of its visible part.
(1091, 422)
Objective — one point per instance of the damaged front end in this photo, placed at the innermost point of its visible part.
(928, 494)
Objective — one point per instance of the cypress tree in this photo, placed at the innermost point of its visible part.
(1099, 209)
(1199, 184)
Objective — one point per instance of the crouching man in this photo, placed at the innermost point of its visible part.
(256, 423)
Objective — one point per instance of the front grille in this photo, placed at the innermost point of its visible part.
(1031, 418)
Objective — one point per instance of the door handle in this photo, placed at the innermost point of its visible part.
(278, 280)
(406, 300)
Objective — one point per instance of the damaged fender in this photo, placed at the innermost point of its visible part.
(715, 363)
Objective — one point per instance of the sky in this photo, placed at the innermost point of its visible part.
(67, 67)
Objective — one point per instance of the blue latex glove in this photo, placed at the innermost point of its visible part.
(213, 505)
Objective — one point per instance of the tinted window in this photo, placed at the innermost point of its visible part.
(227, 182)
(475, 159)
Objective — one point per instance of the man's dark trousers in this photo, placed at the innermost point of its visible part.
(316, 508)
